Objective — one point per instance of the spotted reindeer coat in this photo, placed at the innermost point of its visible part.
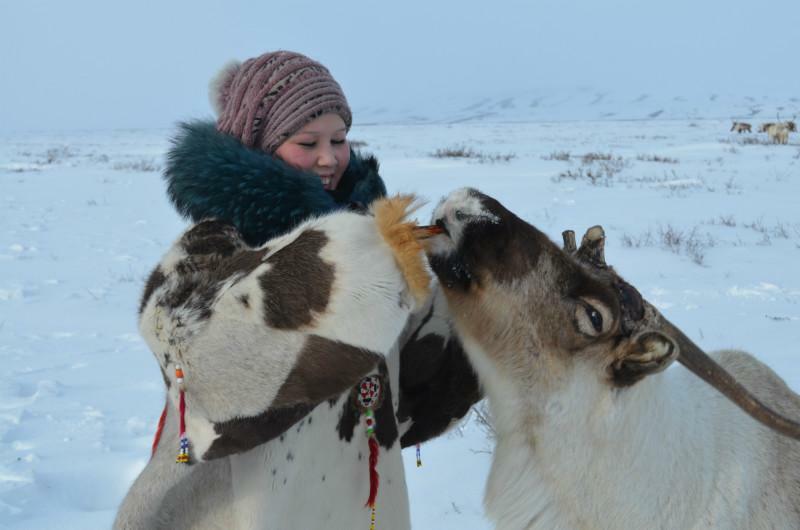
(273, 333)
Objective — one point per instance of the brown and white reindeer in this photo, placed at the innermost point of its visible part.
(591, 433)
(272, 343)
(741, 127)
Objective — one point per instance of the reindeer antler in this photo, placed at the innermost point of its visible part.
(569, 241)
(592, 253)
(592, 249)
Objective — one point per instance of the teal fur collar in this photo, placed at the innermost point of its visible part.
(210, 174)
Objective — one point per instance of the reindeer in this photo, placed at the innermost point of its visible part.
(591, 432)
(740, 127)
(779, 132)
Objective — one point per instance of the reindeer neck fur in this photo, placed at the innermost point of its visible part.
(584, 439)
(579, 454)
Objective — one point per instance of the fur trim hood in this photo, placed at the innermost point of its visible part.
(210, 174)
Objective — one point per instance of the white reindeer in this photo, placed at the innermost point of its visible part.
(589, 434)
(778, 133)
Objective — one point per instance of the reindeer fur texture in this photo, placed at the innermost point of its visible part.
(667, 453)
(578, 446)
(271, 340)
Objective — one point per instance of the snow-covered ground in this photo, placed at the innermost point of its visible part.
(705, 223)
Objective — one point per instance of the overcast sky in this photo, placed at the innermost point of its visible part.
(104, 64)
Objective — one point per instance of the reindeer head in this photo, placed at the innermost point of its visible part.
(534, 309)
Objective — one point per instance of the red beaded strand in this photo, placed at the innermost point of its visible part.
(369, 397)
(183, 452)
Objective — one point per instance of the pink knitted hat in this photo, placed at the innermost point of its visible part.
(265, 100)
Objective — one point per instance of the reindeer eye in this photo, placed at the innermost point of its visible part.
(595, 318)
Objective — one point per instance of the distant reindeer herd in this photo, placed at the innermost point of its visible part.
(777, 132)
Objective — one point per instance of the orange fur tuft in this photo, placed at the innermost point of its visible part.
(391, 216)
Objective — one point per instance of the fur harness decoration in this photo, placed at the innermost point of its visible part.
(369, 397)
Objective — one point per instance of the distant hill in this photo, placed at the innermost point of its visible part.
(583, 104)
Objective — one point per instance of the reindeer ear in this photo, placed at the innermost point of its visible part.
(650, 352)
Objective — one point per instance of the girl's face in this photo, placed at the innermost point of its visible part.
(320, 147)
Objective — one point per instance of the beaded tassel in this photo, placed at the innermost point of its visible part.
(373, 458)
(183, 452)
(373, 462)
(419, 457)
(369, 398)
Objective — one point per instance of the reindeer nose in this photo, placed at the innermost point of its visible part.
(441, 224)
